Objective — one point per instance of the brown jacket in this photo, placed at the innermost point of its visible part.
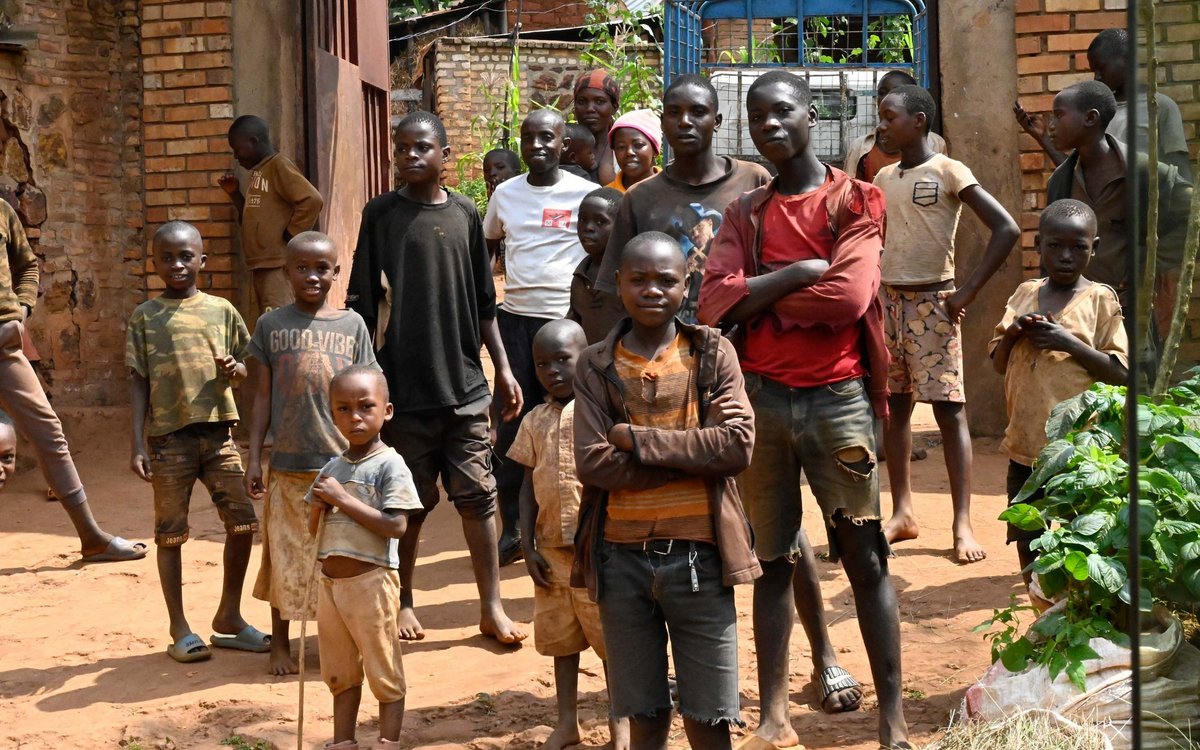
(660, 456)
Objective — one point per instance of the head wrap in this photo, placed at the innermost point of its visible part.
(642, 120)
(600, 80)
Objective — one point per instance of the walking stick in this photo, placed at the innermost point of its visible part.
(304, 637)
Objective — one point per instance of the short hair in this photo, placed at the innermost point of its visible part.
(1088, 95)
(1110, 43)
(175, 228)
(915, 100)
(508, 155)
(311, 237)
(560, 329)
(697, 80)
(903, 77)
(1068, 208)
(370, 371)
(421, 117)
(798, 85)
(578, 133)
(610, 196)
(251, 126)
(5, 420)
(651, 238)
(555, 116)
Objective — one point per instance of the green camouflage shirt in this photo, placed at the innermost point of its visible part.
(174, 343)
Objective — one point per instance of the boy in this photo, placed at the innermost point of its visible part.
(8, 450)
(1059, 335)
(578, 152)
(534, 214)
(499, 164)
(597, 97)
(366, 496)
(279, 204)
(596, 215)
(816, 369)
(696, 176)
(24, 400)
(422, 282)
(298, 348)
(565, 620)
(925, 192)
(661, 429)
(184, 351)
(865, 156)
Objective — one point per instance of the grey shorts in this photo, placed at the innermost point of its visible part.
(828, 434)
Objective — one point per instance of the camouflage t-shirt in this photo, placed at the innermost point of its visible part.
(303, 353)
(174, 343)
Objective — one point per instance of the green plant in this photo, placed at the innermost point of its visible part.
(1084, 519)
(613, 33)
(403, 10)
(238, 743)
(476, 190)
(827, 40)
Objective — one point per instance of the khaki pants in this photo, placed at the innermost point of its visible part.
(272, 289)
(358, 633)
(289, 552)
(21, 395)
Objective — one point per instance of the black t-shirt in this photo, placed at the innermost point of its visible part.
(422, 281)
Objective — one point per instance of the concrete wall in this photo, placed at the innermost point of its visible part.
(268, 72)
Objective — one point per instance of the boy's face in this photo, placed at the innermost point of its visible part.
(1066, 245)
(359, 408)
(541, 141)
(594, 225)
(177, 261)
(689, 120)
(780, 124)
(8, 453)
(581, 153)
(1067, 126)
(594, 110)
(420, 153)
(1110, 72)
(635, 153)
(312, 269)
(898, 128)
(652, 282)
(496, 169)
(554, 361)
(246, 149)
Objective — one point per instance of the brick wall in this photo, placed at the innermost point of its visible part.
(70, 132)
(547, 14)
(187, 75)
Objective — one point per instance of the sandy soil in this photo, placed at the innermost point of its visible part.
(82, 660)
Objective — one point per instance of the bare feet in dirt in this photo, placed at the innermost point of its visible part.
(410, 628)
(618, 733)
(497, 625)
(281, 662)
(967, 550)
(563, 736)
(901, 529)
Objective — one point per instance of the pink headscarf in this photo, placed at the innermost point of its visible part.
(642, 120)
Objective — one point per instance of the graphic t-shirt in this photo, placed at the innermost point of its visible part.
(173, 344)
(541, 244)
(303, 353)
(278, 199)
(923, 209)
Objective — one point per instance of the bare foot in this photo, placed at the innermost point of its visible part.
(901, 529)
(497, 625)
(779, 736)
(281, 662)
(618, 733)
(893, 733)
(410, 628)
(967, 550)
(563, 736)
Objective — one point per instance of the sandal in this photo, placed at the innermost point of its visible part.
(835, 680)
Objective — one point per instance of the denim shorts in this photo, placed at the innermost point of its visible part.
(661, 589)
(803, 430)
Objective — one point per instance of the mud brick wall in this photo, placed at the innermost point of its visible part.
(69, 161)
(547, 14)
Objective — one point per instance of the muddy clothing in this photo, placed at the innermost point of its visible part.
(18, 267)
(173, 344)
(279, 199)
(289, 552)
(545, 443)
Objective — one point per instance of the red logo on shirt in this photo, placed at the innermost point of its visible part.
(557, 218)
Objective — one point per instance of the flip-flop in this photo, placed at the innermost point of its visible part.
(250, 639)
(189, 649)
(754, 742)
(834, 680)
(118, 550)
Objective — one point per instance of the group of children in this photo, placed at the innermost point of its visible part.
(645, 462)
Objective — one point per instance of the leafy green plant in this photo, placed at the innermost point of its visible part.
(1084, 519)
(827, 40)
(236, 742)
(476, 190)
(614, 33)
(403, 10)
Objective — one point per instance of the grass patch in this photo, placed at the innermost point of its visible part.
(1034, 730)
(237, 742)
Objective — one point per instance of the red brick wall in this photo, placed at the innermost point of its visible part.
(547, 14)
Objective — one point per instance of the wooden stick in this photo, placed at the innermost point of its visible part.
(304, 638)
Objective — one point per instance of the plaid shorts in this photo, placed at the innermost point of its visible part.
(925, 344)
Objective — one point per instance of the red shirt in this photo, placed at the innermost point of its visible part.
(874, 161)
(796, 227)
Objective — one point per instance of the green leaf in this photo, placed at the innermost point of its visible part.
(1049, 561)
(1016, 656)
(1063, 417)
(1052, 460)
(1077, 675)
(1024, 517)
(1076, 564)
(1191, 578)
(1091, 524)
(1190, 551)
(1106, 572)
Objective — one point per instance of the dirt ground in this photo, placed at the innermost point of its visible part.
(82, 661)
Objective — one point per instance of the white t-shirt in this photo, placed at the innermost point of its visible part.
(541, 247)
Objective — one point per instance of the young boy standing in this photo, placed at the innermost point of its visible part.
(279, 204)
(535, 216)
(1059, 335)
(366, 496)
(662, 426)
(923, 311)
(865, 156)
(565, 621)
(299, 348)
(588, 305)
(796, 266)
(185, 351)
(422, 281)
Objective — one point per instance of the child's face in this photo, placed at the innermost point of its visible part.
(359, 408)
(1110, 72)
(312, 268)
(898, 128)
(594, 225)
(580, 153)
(8, 453)
(635, 154)
(1066, 244)
(177, 261)
(554, 361)
(780, 124)
(1068, 126)
(689, 120)
(652, 282)
(594, 110)
(420, 153)
(496, 169)
(541, 141)
(246, 149)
